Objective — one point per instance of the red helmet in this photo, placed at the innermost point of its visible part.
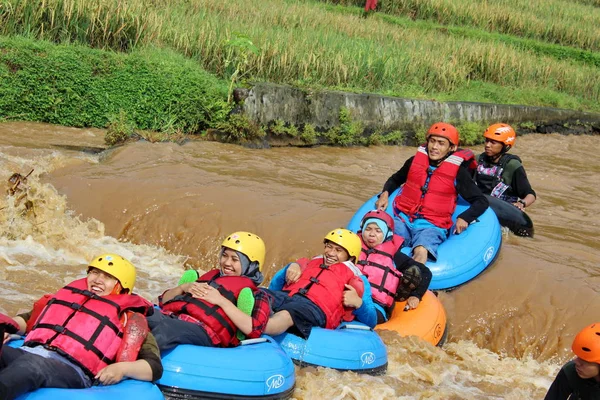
(587, 343)
(379, 214)
(503, 133)
(444, 130)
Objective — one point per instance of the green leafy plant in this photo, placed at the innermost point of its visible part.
(347, 132)
(309, 134)
(238, 48)
(471, 133)
(239, 129)
(119, 129)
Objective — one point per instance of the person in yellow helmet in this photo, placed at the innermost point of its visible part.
(205, 312)
(579, 379)
(323, 291)
(81, 335)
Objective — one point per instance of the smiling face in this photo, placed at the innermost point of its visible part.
(372, 235)
(438, 147)
(230, 263)
(586, 369)
(100, 283)
(334, 253)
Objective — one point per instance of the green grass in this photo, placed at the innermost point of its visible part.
(564, 22)
(453, 50)
(71, 85)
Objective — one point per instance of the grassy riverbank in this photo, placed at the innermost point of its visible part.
(532, 52)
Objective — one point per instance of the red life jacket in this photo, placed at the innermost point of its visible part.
(324, 285)
(435, 200)
(83, 326)
(377, 264)
(210, 316)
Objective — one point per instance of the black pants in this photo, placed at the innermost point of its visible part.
(169, 331)
(22, 372)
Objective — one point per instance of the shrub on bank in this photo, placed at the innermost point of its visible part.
(78, 86)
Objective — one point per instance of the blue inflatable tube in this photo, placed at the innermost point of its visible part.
(461, 257)
(127, 388)
(352, 346)
(257, 369)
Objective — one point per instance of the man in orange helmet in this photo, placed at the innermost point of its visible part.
(500, 174)
(432, 180)
(579, 379)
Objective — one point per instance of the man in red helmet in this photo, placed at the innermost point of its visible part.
(432, 180)
(579, 379)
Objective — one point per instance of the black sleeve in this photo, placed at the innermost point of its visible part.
(520, 184)
(398, 179)
(466, 187)
(402, 262)
(560, 389)
(150, 353)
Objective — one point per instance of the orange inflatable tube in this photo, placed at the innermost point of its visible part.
(427, 321)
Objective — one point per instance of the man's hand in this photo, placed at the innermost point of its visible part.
(351, 297)
(413, 302)
(111, 374)
(293, 273)
(382, 201)
(461, 225)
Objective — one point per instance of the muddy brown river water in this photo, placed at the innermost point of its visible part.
(168, 206)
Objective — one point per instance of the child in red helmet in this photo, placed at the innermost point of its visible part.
(500, 174)
(432, 181)
(393, 275)
(579, 379)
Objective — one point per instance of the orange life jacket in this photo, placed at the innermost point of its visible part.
(210, 316)
(84, 327)
(431, 193)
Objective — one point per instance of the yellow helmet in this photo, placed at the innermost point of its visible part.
(251, 245)
(347, 239)
(116, 266)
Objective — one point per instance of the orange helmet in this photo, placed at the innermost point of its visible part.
(444, 130)
(501, 133)
(587, 343)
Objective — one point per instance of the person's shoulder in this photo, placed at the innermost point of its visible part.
(512, 160)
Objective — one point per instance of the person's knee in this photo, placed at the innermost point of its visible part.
(279, 322)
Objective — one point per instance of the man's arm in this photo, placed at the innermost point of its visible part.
(147, 367)
(398, 178)
(472, 194)
(366, 313)
(393, 183)
(521, 186)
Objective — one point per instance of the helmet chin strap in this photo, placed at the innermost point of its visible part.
(118, 289)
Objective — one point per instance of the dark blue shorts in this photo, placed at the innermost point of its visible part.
(169, 331)
(304, 312)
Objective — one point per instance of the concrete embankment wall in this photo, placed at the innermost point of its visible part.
(265, 103)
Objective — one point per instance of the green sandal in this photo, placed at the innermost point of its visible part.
(191, 275)
(245, 302)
